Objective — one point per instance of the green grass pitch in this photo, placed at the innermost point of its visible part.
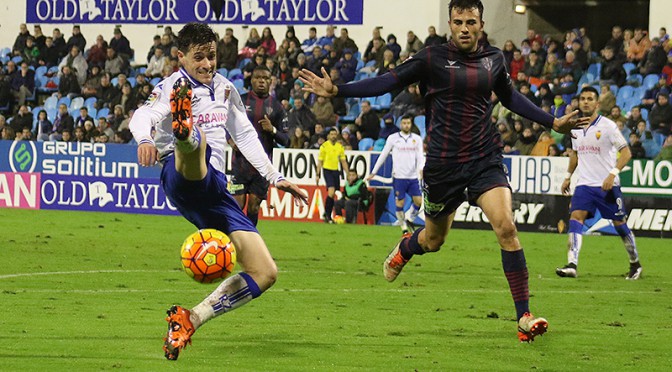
(88, 291)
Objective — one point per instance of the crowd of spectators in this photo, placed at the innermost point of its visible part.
(96, 90)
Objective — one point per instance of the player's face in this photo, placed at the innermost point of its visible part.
(587, 103)
(332, 136)
(200, 62)
(406, 125)
(261, 82)
(465, 28)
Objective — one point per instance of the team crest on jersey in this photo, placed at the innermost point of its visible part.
(487, 63)
(598, 134)
(151, 99)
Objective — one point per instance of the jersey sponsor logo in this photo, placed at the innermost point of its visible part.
(487, 63)
(451, 64)
(152, 99)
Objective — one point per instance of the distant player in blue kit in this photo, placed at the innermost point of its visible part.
(593, 157)
(464, 149)
(190, 112)
(408, 160)
(270, 121)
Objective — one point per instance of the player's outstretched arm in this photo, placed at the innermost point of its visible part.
(569, 121)
(300, 196)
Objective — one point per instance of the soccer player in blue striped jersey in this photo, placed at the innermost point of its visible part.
(183, 125)
(464, 149)
(593, 157)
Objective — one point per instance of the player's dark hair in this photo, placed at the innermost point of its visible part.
(261, 68)
(465, 5)
(194, 34)
(407, 116)
(590, 89)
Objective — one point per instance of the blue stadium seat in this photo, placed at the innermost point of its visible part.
(383, 102)
(650, 81)
(64, 100)
(353, 112)
(379, 144)
(628, 67)
(77, 103)
(243, 63)
(224, 72)
(645, 113)
(40, 71)
(93, 112)
(132, 81)
(234, 72)
(51, 103)
(17, 60)
(103, 112)
(614, 89)
(419, 122)
(90, 103)
(635, 80)
(360, 64)
(155, 81)
(51, 114)
(114, 81)
(365, 144)
(240, 86)
(651, 147)
(5, 51)
(595, 69)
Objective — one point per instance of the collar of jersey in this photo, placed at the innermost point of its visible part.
(194, 82)
(591, 124)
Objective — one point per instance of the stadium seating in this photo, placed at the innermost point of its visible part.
(419, 122)
(132, 81)
(240, 86)
(379, 144)
(645, 113)
(90, 103)
(243, 63)
(103, 112)
(650, 81)
(629, 67)
(5, 52)
(383, 102)
(595, 69)
(235, 73)
(224, 72)
(51, 114)
(76, 103)
(65, 100)
(51, 102)
(155, 81)
(366, 144)
(353, 112)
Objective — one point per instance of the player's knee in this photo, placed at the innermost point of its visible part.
(265, 277)
(506, 231)
(434, 243)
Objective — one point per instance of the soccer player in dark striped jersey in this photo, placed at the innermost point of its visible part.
(464, 148)
(269, 119)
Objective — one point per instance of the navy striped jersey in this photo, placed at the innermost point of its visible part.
(457, 87)
(256, 108)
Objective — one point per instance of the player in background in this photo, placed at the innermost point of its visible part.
(270, 121)
(464, 149)
(190, 111)
(593, 157)
(331, 154)
(408, 160)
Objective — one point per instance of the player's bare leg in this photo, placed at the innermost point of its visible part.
(496, 204)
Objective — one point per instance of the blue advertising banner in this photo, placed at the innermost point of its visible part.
(248, 12)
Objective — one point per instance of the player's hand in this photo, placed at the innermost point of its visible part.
(147, 154)
(569, 121)
(266, 124)
(608, 182)
(300, 196)
(322, 86)
(565, 186)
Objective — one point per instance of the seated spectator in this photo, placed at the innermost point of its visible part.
(567, 87)
(92, 84)
(433, 38)
(533, 67)
(156, 64)
(77, 63)
(654, 60)
(83, 117)
(157, 44)
(314, 61)
(301, 116)
(559, 106)
(114, 64)
(44, 126)
(167, 44)
(90, 132)
(660, 116)
(650, 95)
(376, 53)
(347, 66)
(545, 95)
(22, 119)
(66, 136)
(298, 140)
(388, 128)
(78, 135)
(128, 100)
(344, 42)
(123, 136)
(643, 133)
(50, 54)
(639, 46)
(31, 53)
(413, 44)
(580, 55)
(121, 45)
(615, 115)
(253, 42)
(324, 111)
(68, 85)
(318, 132)
(634, 118)
(8, 133)
(20, 41)
(108, 95)
(393, 46)
(355, 194)
(308, 44)
(115, 119)
(625, 131)
(368, 121)
(98, 53)
(23, 84)
(62, 122)
(607, 99)
(636, 148)
(666, 151)
(554, 150)
(103, 128)
(570, 66)
(517, 63)
(126, 121)
(328, 38)
(268, 41)
(612, 69)
(509, 136)
(667, 69)
(551, 70)
(409, 101)
(526, 142)
(227, 52)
